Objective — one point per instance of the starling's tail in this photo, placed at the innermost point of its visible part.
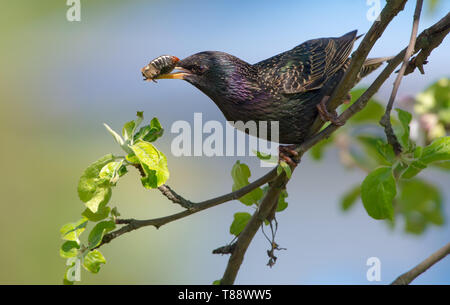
(371, 64)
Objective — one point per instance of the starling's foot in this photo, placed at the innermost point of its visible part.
(288, 154)
(325, 115)
(348, 98)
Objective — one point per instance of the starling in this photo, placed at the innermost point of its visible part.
(291, 88)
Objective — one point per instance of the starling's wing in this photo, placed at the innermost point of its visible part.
(307, 66)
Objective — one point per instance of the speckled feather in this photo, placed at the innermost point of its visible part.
(307, 66)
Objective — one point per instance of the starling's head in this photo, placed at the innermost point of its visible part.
(217, 74)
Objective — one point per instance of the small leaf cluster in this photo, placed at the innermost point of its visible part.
(240, 174)
(95, 190)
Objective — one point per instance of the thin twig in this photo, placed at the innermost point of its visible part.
(174, 197)
(429, 44)
(133, 224)
(386, 119)
(228, 249)
(407, 277)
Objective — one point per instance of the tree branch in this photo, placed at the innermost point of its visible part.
(134, 224)
(386, 119)
(433, 40)
(271, 198)
(246, 236)
(174, 197)
(388, 13)
(407, 277)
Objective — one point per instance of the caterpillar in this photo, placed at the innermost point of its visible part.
(158, 66)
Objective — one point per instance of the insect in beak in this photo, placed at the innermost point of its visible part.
(160, 68)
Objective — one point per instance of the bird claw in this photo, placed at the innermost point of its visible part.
(325, 115)
(288, 154)
(348, 99)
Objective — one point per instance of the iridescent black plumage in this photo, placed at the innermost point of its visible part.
(284, 88)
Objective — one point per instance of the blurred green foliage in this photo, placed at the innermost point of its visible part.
(391, 187)
(433, 108)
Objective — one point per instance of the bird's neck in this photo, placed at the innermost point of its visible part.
(236, 83)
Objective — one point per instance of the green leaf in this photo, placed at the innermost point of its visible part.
(129, 127)
(115, 212)
(97, 233)
(413, 169)
(240, 174)
(216, 282)
(263, 156)
(279, 170)
(266, 158)
(444, 165)
(100, 198)
(286, 168)
(132, 158)
(386, 151)
(72, 231)
(155, 164)
(112, 171)
(282, 203)
(403, 135)
(421, 204)
(88, 183)
(380, 153)
(69, 249)
(418, 152)
(115, 135)
(93, 260)
(350, 197)
(102, 213)
(415, 224)
(150, 133)
(128, 130)
(377, 193)
(239, 223)
(438, 150)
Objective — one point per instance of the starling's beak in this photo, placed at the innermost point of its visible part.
(181, 74)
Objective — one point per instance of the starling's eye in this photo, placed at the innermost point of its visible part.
(196, 69)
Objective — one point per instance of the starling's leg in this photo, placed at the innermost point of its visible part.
(348, 98)
(288, 154)
(325, 115)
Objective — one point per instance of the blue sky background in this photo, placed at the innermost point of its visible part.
(62, 80)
